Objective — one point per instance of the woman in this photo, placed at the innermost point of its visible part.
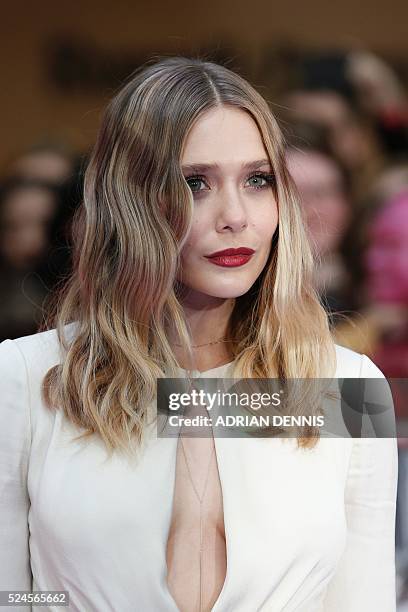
(188, 162)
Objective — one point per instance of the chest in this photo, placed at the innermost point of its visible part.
(260, 496)
(197, 492)
(196, 545)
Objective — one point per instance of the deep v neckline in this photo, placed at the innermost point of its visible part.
(175, 505)
(211, 373)
(221, 595)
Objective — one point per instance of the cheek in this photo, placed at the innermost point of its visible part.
(192, 247)
(266, 222)
(266, 232)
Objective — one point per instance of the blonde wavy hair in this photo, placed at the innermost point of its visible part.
(123, 294)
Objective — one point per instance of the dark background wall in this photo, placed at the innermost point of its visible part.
(61, 61)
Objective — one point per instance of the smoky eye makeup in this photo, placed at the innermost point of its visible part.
(268, 178)
(194, 181)
(261, 180)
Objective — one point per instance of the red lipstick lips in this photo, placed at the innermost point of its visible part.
(231, 258)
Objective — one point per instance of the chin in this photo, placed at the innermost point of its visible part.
(225, 292)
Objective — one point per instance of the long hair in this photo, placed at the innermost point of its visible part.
(128, 233)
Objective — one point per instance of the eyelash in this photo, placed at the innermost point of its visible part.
(269, 178)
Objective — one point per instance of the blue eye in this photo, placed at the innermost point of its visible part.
(261, 180)
(194, 183)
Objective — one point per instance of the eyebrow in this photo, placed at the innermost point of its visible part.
(202, 168)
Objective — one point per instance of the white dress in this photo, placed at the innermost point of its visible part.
(305, 532)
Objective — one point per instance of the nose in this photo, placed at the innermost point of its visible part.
(232, 214)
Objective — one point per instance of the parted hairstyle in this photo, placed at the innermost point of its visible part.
(128, 232)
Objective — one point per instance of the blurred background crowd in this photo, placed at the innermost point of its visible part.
(344, 111)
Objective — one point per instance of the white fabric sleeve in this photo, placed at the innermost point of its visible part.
(15, 440)
(365, 576)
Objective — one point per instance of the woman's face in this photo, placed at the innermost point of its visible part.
(227, 168)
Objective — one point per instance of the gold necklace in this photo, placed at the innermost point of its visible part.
(200, 500)
(207, 343)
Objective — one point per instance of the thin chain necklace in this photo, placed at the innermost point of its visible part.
(206, 343)
(200, 500)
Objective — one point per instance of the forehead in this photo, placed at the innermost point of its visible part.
(223, 134)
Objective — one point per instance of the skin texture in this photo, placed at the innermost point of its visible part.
(231, 209)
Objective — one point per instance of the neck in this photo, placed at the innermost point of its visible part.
(207, 322)
(210, 322)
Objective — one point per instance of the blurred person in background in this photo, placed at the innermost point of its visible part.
(34, 250)
(386, 263)
(360, 102)
(370, 316)
(324, 189)
(324, 194)
(326, 96)
(382, 96)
